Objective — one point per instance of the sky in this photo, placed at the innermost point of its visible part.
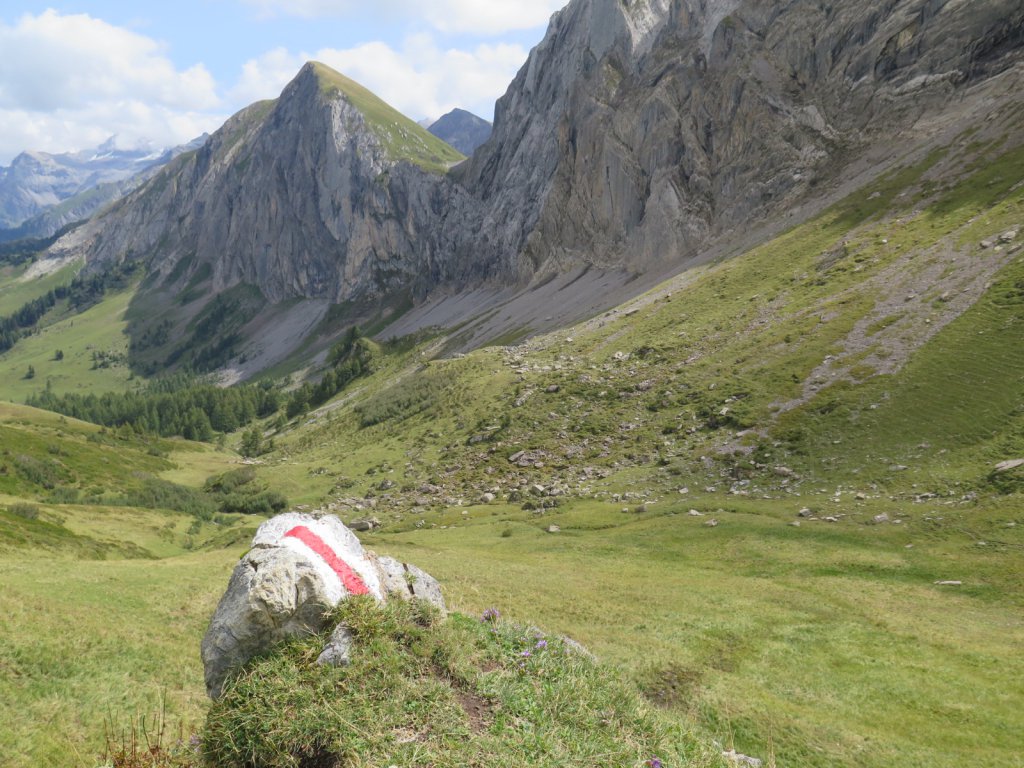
(72, 74)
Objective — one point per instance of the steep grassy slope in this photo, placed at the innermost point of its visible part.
(404, 139)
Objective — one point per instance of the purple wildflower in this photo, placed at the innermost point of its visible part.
(541, 645)
(526, 654)
(491, 614)
(654, 762)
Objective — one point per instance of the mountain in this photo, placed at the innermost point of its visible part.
(40, 193)
(638, 139)
(638, 133)
(463, 130)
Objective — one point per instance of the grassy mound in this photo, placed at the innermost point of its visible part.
(421, 691)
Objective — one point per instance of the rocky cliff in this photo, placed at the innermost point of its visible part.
(637, 134)
(639, 130)
(324, 193)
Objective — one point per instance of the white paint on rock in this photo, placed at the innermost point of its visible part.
(339, 538)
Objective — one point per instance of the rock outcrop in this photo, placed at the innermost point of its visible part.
(639, 131)
(299, 567)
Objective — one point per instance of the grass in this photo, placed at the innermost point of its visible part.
(15, 291)
(99, 329)
(828, 639)
(422, 691)
(403, 139)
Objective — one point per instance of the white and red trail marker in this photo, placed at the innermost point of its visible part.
(351, 580)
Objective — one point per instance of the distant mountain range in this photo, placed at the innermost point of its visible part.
(42, 192)
(463, 130)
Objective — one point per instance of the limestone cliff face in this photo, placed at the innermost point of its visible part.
(637, 133)
(300, 197)
(640, 129)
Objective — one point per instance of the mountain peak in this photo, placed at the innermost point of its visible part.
(400, 136)
(462, 130)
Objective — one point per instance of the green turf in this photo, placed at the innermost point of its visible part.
(403, 138)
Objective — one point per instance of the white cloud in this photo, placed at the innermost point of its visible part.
(420, 80)
(70, 81)
(480, 17)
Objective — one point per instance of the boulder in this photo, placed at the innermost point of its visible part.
(300, 566)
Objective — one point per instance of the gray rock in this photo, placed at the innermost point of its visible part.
(462, 130)
(365, 525)
(1006, 466)
(553, 529)
(1008, 236)
(949, 583)
(300, 567)
(735, 757)
(879, 519)
(712, 523)
(487, 498)
(406, 581)
(338, 651)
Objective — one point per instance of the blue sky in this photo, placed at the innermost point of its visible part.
(74, 73)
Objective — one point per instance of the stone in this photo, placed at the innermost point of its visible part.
(553, 529)
(487, 498)
(553, 389)
(364, 525)
(406, 581)
(338, 651)
(986, 244)
(1006, 466)
(712, 523)
(805, 512)
(949, 583)
(879, 519)
(735, 757)
(1009, 236)
(515, 457)
(537, 490)
(695, 513)
(784, 472)
(299, 567)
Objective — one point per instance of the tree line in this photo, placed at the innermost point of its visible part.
(169, 407)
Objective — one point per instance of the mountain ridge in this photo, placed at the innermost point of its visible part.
(636, 141)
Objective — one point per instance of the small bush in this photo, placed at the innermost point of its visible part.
(26, 511)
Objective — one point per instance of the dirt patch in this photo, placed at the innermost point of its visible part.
(671, 685)
(477, 709)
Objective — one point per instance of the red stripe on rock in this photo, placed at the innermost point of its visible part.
(349, 577)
